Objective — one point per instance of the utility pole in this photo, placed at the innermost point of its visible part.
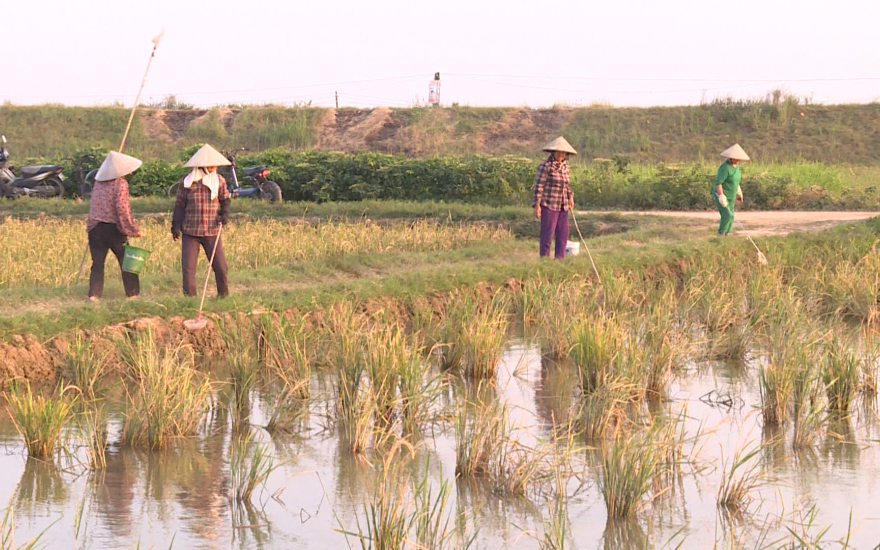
(434, 91)
(337, 99)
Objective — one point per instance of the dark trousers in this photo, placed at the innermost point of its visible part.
(554, 222)
(189, 255)
(104, 237)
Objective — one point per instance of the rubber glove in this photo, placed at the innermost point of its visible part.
(722, 200)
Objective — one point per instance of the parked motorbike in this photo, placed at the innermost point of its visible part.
(42, 180)
(262, 188)
(85, 178)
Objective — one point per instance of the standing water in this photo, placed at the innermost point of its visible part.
(315, 497)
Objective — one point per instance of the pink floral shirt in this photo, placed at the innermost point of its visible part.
(109, 204)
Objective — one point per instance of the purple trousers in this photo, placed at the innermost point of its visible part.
(554, 222)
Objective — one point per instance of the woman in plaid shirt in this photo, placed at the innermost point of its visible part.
(553, 197)
(202, 206)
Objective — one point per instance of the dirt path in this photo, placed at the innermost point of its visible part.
(770, 223)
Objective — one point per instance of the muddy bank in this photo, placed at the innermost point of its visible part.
(43, 363)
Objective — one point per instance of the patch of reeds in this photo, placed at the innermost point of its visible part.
(516, 467)
(775, 385)
(473, 335)
(355, 413)
(841, 371)
(287, 352)
(431, 522)
(557, 525)
(345, 331)
(241, 339)
(83, 365)
(551, 306)
(606, 351)
(39, 419)
(740, 476)
(7, 533)
(605, 410)
(387, 516)
(92, 424)
(250, 465)
(852, 288)
(630, 462)
(385, 353)
(285, 406)
(808, 406)
(418, 390)
(479, 433)
(165, 398)
(870, 361)
(787, 331)
(596, 347)
(663, 340)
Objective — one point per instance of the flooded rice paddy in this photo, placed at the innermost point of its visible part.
(318, 493)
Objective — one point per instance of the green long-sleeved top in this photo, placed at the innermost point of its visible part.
(728, 178)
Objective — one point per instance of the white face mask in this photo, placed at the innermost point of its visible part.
(209, 179)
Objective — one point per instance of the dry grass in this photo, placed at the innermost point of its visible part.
(248, 244)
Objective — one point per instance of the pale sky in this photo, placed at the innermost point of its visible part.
(488, 52)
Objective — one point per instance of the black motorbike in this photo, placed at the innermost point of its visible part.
(262, 188)
(42, 180)
(84, 176)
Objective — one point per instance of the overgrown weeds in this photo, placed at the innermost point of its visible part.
(740, 476)
(630, 462)
(165, 398)
(84, 366)
(39, 419)
(250, 465)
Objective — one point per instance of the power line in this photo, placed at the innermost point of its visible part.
(513, 84)
(629, 79)
(245, 90)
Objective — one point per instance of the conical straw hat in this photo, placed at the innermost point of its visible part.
(116, 165)
(207, 156)
(735, 152)
(560, 144)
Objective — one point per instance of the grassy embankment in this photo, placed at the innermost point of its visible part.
(778, 128)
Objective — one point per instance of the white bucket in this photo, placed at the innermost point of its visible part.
(572, 248)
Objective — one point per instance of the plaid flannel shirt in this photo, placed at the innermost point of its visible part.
(553, 186)
(195, 213)
(109, 204)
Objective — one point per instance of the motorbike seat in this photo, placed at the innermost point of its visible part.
(31, 171)
(254, 170)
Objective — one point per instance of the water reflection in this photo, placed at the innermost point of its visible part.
(624, 534)
(555, 392)
(114, 493)
(40, 486)
(840, 446)
(251, 527)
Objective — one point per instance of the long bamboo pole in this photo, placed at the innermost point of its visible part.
(137, 99)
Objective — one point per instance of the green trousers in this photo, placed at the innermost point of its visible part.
(726, 224)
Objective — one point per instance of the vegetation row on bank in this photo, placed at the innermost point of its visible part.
(319, 176)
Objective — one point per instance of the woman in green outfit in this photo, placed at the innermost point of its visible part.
(727, 191)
